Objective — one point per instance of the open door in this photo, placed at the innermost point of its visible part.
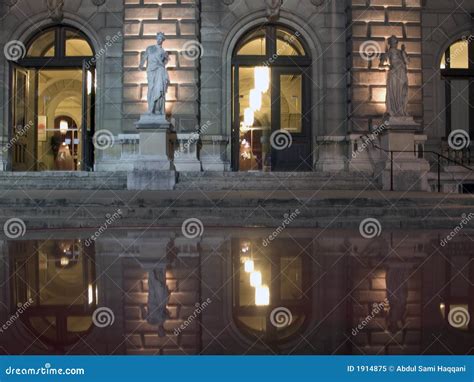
(22, 140)
(88, 117)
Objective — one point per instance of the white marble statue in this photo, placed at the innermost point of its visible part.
(397, 61)
(156, 59)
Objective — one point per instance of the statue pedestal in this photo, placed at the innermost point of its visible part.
(152, 167)
(401, 167)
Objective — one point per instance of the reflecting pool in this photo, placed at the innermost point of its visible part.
(239, 291)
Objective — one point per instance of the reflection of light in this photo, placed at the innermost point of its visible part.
(63, 127)
(64, 261)
(262, 78)
(262, 295)
(248, 266)
(89, 82)
(255, 99)
(248, 117)
(255, 279)
(90, 294)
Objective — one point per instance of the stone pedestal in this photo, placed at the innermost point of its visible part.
(185, 153)
(213, 151)
(331, 153)
(152, 166)
(400, 167)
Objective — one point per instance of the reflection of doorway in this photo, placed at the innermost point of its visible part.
(52, 107)
(271, 108)
(271, 279)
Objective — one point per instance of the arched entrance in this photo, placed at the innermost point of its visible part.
(56, 78)
(271, 84)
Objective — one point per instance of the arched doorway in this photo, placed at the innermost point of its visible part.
(271, 84)
(55, 78)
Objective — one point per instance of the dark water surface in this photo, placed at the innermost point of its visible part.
(237, 291)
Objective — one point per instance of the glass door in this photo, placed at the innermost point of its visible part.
(290, 139)
(22, 133)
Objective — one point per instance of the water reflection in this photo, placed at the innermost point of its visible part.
(308, 292)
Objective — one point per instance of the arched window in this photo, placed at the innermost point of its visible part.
(55, 78)
(457, 70)
(271, 101)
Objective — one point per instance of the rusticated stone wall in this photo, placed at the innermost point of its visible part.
(178, 19)
(373, 21)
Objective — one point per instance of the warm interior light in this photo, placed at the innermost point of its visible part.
(64, 261)
(90, 294)
(255, 99)
(248, 266)
(262, 78)
(262, 295)
(63, 127)
(248, 117)
(256, 279)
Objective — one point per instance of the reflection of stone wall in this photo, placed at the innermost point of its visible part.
(374, 23)
(370, 288)
(141, 337)
(178, 20)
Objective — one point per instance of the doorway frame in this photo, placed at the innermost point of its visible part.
(272, 60)
(58, 62)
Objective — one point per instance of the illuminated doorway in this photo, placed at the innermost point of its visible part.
(271, 102)
(53, 103)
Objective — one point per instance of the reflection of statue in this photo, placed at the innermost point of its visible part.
(397, 294)
(397, 80)
(157, 75)
(157, 298)
(55, 8)
(273, 9)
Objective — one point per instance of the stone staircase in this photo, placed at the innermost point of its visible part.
(63, 180)
(221, 181)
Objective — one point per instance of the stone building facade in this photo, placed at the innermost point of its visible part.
(339, 108)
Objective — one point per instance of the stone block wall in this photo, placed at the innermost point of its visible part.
(373, 21)
(178, 19)
(375, 338)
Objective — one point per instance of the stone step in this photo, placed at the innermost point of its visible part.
(274, 181)
(63, 180)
